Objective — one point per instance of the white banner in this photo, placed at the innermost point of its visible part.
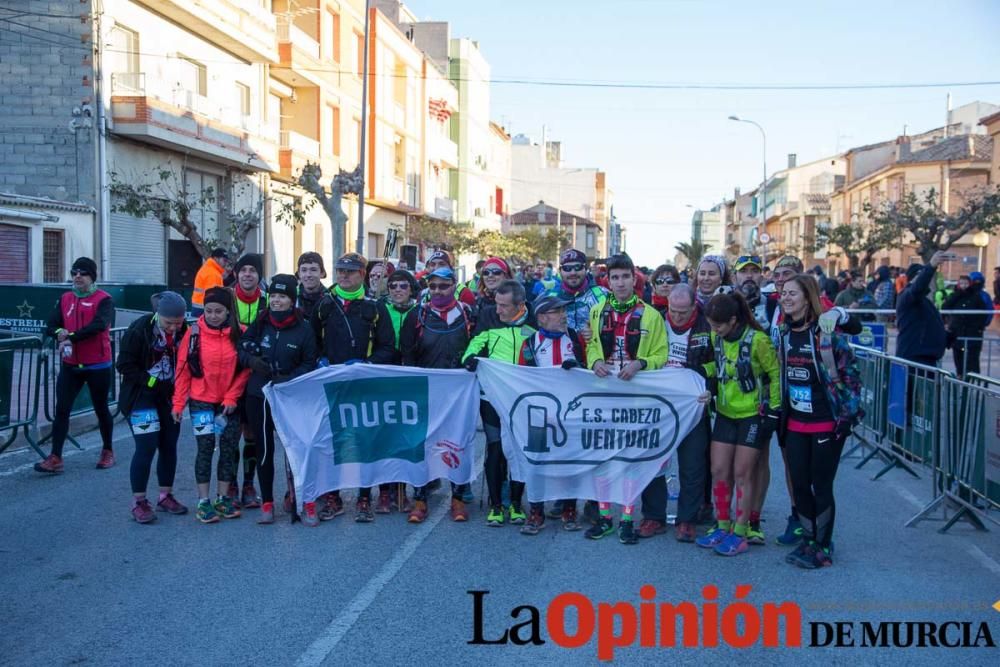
(571, 434)
(364, 424)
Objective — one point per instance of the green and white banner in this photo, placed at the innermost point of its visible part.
(571, 434)
(363, 424)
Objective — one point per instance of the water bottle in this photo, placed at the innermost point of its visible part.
(220, 422)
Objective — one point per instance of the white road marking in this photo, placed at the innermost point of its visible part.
(69, 452)
(983, 559)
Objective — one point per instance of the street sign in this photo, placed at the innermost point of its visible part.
(765, 238)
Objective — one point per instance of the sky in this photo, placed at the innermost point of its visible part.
(666, 151)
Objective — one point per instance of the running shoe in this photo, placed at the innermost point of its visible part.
(458, 511)
(732, 545)
(384, 504)
(52, 465)
(603, 527)
(712, 539)
(363, 511)
(822, 557)
(495, 517)
(651, 527)
(569, 522)
(309, 517)
(517, 515)
(684, 532)
(792, 534)
(626, 532)
(142, 511)
(534, 524)
(206, 512)
(419, 512)
(332, 506)
(806, 558)
(106, 460)
(170, 505)
(755, 534)
(249, 499)
(266, 514)
(799, 552)
(225, 507)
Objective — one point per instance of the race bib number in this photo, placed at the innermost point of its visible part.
(203, 422)
(800, 398)
(145, 421)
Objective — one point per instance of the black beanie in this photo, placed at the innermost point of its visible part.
(284, 283)
(87, 265)
(219, 295)
(249, 259)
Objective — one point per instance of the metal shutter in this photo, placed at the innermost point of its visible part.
(14, 254)
(137, 250)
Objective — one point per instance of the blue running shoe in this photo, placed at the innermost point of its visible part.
(733, 545)
(792, 534)
(712, 539)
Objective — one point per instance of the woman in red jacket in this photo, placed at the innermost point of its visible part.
(210, 382)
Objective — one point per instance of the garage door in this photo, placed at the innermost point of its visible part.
(13, 254)
(137, 250)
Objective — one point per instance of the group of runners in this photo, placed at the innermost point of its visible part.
(777, 367)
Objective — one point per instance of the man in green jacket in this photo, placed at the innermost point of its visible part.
(501, 342)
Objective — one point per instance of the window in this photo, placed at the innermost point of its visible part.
(399, 84)
(499, 201)
(331, 123)
(590, 239)
(399, 155)
(124, 59)
(53, 267)
(204, 192)
(243, 95)
(330, 38)
(360, 42)
(193, 76)
(375, 242)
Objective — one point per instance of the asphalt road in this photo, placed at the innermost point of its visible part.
(82, 584)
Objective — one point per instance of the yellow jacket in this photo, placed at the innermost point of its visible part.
(650, 332)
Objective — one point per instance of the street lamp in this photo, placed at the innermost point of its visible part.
(981, 240)
(763, 185)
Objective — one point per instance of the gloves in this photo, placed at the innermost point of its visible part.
(829, 320)
(471, 364)
(261, 366)
(570, 364)
(769, 422)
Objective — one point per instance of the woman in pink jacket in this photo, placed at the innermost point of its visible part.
(210, 382)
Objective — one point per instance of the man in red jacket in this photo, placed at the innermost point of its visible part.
(80, 323)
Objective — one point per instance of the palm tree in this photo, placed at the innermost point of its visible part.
(693, 251)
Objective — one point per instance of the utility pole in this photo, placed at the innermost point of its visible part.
(359, 246)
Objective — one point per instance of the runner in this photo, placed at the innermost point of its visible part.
(376, 273)
(712, 275)
(345, 326)
(80, 323)
(210, 381)
(500, 331)
(748, 270)
(436, 335)
(629, 337)
(743, 356)
(147, 360)
(495, 272)
(579, 290)
(821, 399)
(311, 273)
(278, 347)
(690, 346)
(663, 279)
(250, 301)
(555, 344)
(441, 259)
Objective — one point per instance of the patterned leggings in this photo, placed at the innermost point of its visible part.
(229, 442)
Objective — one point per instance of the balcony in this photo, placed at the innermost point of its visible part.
(157, 112)
(241, 27)
(296, 151)
(300, 58)
(442, 150)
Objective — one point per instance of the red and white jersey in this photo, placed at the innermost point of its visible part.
(547, 352)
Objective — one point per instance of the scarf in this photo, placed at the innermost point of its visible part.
(575, 292)
(357, 294)
(248, 297)
(795, 324)
(681, 328)
(442, 302)
(622, 306)
(78, 293)
(282, 319)
(554, 335)
(518, 318)
(660, 301)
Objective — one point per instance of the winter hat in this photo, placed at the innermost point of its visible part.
(219, 295)
(284, 283)
(87, 266)
(251, 260)
(220, 253)
(498, 263)
(439, 255)
(170, 304)
(312, 258)
(718, 260)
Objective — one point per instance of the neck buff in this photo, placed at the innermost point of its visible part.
(575, 291)
(682, 327)
(359, 293)
(247, 297)
(442, 301)
(281, 318)
(795, 324)
(660, 300)
(622, 306)
(554, 335)
(518, 317)
(93, 288)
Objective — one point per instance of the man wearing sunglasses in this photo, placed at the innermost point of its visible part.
(578, 290)
(440, 259)
(749, 275)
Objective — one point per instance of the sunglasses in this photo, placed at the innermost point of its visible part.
(439, 287)
(493, 272)
(665, 281)
(749, 259)
(572, 267)
(78, 272)
(402, 285)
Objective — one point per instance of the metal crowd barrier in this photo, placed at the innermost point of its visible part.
(21, 362)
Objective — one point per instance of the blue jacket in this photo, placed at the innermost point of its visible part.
(921, 330)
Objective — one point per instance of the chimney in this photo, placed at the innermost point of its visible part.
(972, 145)
(902, 147)
(792, 160)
